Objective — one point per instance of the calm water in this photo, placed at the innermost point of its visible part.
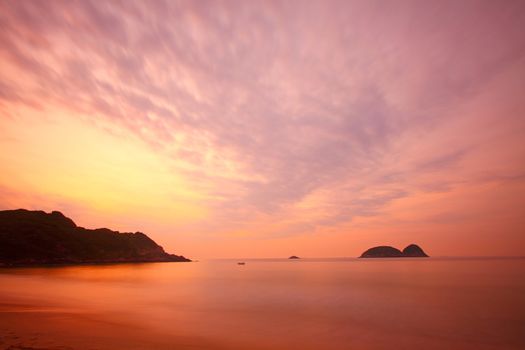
(280, 304)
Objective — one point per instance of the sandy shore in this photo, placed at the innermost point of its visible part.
(32, 327)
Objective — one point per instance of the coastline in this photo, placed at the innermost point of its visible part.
(88, 263)
(33, 327)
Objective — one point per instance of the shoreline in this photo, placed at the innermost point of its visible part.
(100, 263)
(25, 327)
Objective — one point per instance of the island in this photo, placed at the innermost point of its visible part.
(414, 251)
(39, 238)
(411, 251)
(294, 257)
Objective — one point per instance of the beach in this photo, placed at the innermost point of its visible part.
(334, 304)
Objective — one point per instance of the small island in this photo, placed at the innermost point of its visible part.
(294, 257)
(40, 238)
(411, 251)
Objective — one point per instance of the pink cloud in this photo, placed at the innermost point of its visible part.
(366, 103)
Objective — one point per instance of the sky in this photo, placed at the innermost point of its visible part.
(270, 128)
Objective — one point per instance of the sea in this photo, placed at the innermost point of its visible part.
(344, 303)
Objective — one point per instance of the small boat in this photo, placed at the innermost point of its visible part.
(241, 263)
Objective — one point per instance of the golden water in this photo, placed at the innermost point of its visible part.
(436, 303)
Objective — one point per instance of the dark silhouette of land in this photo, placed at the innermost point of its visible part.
(415, 251)
(411, 251)
(294, 257)
(39, 238)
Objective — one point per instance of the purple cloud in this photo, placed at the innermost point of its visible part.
(299, 96)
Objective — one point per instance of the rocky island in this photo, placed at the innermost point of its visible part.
(294, 257)
(40, 238)
(411, 251)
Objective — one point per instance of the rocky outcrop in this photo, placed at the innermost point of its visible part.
(414, 251)
(411, 251)
(382, 252)
(38, 238)
(294, 257)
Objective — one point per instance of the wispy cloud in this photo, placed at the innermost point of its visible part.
(290, 116)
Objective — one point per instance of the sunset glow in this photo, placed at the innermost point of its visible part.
(265, 129)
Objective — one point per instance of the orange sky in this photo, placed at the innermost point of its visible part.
(266, 129)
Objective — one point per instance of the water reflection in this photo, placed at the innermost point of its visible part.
(276, 304)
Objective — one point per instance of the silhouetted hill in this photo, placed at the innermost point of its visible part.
(382, 252)
(35, 237)
(411, 251)
(294, 257)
